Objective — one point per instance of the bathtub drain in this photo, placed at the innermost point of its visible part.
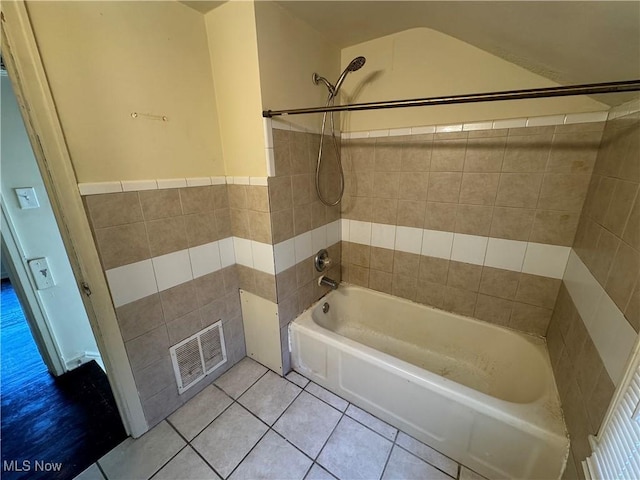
(325, 307)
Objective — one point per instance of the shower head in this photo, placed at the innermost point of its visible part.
(355, 64)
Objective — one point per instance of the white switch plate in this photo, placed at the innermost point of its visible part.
(27, 197)
(41, 273)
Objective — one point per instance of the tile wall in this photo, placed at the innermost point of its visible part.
(518, 189)
(168, 258)
(599, 296)
(301, 224)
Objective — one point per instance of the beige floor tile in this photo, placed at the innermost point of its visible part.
(403, 465)
(244, 374)
(269, 397)
(187, 465)
(200, 411)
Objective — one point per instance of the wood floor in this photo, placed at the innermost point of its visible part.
(71, 420)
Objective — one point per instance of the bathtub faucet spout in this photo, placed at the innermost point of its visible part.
(328, 282)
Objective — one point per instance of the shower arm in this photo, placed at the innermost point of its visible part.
(563, 91)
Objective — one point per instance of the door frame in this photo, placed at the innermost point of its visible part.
(15, 263)
(26, 72)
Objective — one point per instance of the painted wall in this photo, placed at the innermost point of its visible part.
(232, 41)
(116, 58)
(421, 63)
(290, 51)
(38, 233)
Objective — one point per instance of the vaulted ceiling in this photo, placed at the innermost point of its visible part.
(570, 42)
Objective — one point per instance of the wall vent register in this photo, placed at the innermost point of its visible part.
(197, 356)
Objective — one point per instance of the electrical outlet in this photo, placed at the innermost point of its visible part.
(27, 197)
(41, 273)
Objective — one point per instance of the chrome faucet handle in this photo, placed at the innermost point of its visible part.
(322, 260)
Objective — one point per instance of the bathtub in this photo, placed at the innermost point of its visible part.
(481, 394)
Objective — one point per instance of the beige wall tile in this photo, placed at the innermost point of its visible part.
(526, 153)
(388, 156)
(575, 336)
(499, 283)
(556, 228)
(359, 254)
(459, 301)
(183, 327)
(433, 270)
(484, 154)
(602, 198)
(530, 318)
(384, 210)
(493, 310)
(623, 275)
(286, 283)
(380, 281)
(518, 190)
(441, 216)
(160, 203)
(563, 191)
(220, 196)
(301, 218)
(620, 206)
(210, 287)
(122, 244)
(359, 275)
(303, 189)
(260, 226)
(305, 271)
(139, 317)
(574, 152)
(404, 286)
(448, 155)
(588, 366)
(381, 259)
(113, 209)
(601, 257)
(600, 399)
(282, 158)
(318, 214)
(386, 184)
(168, 235)
(231, 278)
(363, 184)
(414, 185)
(416, 156)
(632, 311)
(406, 264)
(246, 278)
(479, 188)
(282, 225)
(511, 223)
(280, 195)
(258, 198)
(631, 233)
(223, 223)
(464, 275)
(358, 208)
(200, 229)
(265, 285)
(630, 165)
(474, 219)
(197, 199)
(302, 153)
(411, 213)
(537, 290)
(179, 300)
(240, 223)
(444, 187)
(431, 294)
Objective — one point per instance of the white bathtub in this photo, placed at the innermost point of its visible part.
(481, 394)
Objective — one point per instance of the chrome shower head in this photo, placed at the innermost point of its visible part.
(355, 64)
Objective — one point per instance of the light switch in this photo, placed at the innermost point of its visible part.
(41, 273)
(27, 197)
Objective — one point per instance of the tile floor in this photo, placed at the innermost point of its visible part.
(253, 424)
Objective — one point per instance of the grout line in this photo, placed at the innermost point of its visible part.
(172, 457)
(193, 447)
(101, 470)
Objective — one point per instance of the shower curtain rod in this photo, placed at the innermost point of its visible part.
(586, 89)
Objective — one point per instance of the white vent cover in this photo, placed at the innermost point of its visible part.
(198, 355)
